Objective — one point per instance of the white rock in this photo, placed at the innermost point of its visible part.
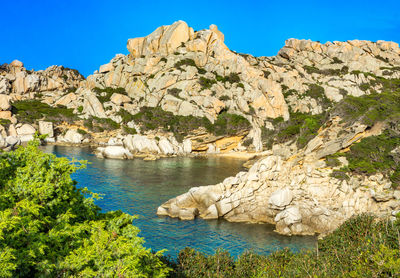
(117, 152)
(46, 128)
(72, 136)
(141, 144)
(187, 146)
(280, 198)
(26, 129)
(165, 146)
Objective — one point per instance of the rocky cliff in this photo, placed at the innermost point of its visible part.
(326, 115)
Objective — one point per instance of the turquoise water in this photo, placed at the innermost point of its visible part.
(138, 187)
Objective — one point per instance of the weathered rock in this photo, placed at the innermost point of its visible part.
(280, 198)
(46, 128)
(142, 144)
(119, 99)
(26, 129)
(4, 102)
(165, 146)
(116, 152)
(71, 136)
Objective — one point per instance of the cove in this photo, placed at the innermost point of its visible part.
(138, 187)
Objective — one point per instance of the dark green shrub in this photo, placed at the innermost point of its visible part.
(336, 60)
(229, 124)
(340, 175)
(151, 118)
(175, 92)
(129, 130)
(224, 98)
(104, 95)
(206, 83)
(360, 247)
(317, 92)
(184, 62)
(29, 111)
(201, 70)
(81, 131)
(96, 124)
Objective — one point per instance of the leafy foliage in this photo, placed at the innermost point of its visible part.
(301, 127)
(29, 111)
(155, 117)
(369, 109)
(100, 124)
(361, 247)
(49, 229)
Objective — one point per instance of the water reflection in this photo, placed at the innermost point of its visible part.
(138, 187)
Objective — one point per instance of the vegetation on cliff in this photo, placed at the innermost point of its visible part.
(30, 111)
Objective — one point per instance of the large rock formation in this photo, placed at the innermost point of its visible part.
(297, 193)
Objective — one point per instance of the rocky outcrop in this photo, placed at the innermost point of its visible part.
(296, 193)
(18, 82)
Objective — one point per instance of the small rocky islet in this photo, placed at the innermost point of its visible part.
(322, 121)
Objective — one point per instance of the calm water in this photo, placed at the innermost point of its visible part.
(138, 187)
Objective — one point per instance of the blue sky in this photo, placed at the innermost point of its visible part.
(86, 34)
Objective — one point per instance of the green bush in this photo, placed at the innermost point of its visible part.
(372, 154)
(104, 95)
(29, 111)
(318, 93)
(369, 109)
(125, 115)
(151, 118)
(361, 247)
(96, 124)
(229, 124)
(81, 131)
(175, 92)
(224, 98)
(50, 228)
(129, 130)
(206, 83)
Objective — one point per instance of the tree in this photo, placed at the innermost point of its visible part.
(50, 228)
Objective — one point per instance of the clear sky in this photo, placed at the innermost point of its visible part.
(86, 34)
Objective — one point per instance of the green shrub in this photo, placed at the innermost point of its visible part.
(201, 70)
(369, 109)
(104, 95)
(185, 62)
(336, 60)
(233, 77)
(29, 111)
(81, 131)
(318, 93)
(5, 122)
(372, 154)
(129, 130)
(175, 92)
(80, 109)
(151, 118)
(360, 247)
(224, 98)
(125, 115)
(50, 228)
(206, 83)
(229, 124)
(96, 124)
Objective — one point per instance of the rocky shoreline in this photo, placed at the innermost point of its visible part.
(322, 121)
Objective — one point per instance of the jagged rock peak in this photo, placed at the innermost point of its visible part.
(167, 38)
